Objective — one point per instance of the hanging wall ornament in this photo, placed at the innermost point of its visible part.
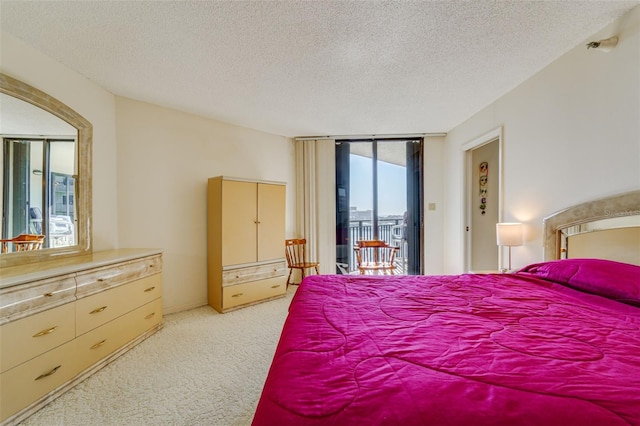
(484, 176)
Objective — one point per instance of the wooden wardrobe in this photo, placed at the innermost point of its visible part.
(245, 242)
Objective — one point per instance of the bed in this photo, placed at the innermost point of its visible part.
(556, 343)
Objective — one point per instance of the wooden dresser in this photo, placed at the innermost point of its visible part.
(245, 242)
(61, 321)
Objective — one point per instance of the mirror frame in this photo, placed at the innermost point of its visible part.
(27, 93)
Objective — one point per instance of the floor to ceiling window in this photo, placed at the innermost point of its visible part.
(378, 197)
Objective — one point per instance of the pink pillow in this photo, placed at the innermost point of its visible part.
(613, 280)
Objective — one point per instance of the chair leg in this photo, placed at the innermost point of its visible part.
(289, 277)
(317, 273)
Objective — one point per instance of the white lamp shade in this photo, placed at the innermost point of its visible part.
(509, 234)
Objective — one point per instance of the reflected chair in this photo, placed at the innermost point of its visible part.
(375, 257)
(23, 242)
(295, 251)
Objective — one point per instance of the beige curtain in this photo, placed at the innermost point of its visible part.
(315, 195)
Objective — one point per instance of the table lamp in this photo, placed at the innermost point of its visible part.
(510, 235)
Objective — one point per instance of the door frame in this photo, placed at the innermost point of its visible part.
(467, 204)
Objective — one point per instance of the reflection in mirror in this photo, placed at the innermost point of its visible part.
(614, 238)
(39, 167)
(45, 177)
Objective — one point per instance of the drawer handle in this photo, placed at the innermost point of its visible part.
(48, 294)
(108, 277)
(45, 332)
(152, 266)
(97, 345)
(98, 310)
(147, 290)
(47, 374)
(237, 276)
(237, 295)
(275, 286)
(151, 315)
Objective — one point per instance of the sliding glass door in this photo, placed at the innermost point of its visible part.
(378, 197)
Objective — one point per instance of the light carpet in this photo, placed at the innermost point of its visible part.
(202, 368)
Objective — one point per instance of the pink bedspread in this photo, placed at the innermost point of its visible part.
(507, 349)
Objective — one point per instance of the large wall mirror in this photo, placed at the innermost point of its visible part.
(46, 176)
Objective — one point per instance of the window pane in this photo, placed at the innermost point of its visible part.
(62, 209)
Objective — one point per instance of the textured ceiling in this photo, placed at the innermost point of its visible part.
(300, 68)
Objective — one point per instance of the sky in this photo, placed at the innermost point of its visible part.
(392, 193)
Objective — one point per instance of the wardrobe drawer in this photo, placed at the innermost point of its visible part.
(242, 294)
(28, 337)
(93, 311)
(102, 341)
(28, 382)
(27, 299)
(96, 280)
(255, 272)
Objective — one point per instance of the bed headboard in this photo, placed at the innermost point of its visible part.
(607, 228)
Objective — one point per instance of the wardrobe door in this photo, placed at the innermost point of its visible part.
(271, 218)
(239, 222)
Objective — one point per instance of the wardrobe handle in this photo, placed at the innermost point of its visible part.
(45, 332)
(42, 376)
(97, 345)
(98, 310)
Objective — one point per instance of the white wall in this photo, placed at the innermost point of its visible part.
(571, 134)
(433, 195)
(164, 160)
(24, 63)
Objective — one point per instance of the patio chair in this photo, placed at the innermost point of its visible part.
(23, 242)
(375, 257)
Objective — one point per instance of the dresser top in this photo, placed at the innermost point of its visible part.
(16, 275)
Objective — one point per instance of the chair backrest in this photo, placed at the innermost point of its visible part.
(295, 251)
(375, 254)
(28, 242)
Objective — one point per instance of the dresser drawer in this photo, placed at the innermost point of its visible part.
(28, 337)
(27, 299)
(93, 311)
(242, 294)
(106, 339)
(100, 279)
(28, 382)
(255, 272)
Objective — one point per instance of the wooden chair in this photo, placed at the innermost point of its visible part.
(295, 250)
(375, 256)
(23, 242)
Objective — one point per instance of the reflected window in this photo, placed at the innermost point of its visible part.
(39, 189)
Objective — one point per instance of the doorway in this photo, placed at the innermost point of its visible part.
(483, 201)
(379, 196)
